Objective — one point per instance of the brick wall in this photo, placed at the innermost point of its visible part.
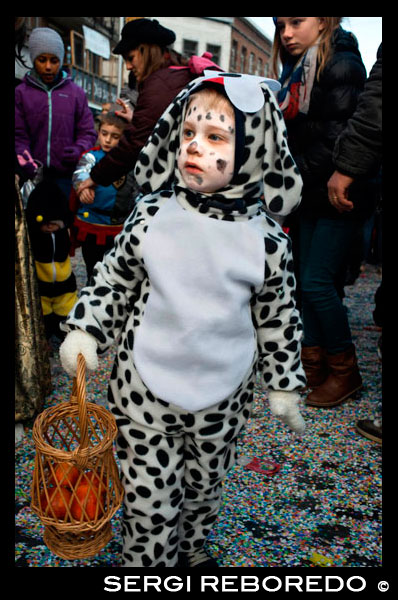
(250, 51)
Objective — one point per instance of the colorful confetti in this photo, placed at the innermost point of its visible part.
(323, 506)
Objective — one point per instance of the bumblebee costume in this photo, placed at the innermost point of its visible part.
(57, 282)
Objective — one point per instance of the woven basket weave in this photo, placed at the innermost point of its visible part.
(80, 434)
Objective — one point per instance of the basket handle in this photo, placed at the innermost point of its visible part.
(79, 396)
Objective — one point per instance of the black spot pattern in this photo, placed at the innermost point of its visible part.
(172, 458)
(265, 135)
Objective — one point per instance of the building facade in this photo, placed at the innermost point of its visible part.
(236, 43)
(250, 48)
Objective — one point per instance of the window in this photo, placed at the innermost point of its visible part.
(94, 63)
(234, 54)
(251, 63)
(243, 54)
(216, 52)
(189, 47)
(77, 48)
(260, 70)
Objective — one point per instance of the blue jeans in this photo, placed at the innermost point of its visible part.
(324, 246)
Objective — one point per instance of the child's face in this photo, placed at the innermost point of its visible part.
(47, 67)
(109, 136)
(207, 150)
(49, 227)
(299, 33)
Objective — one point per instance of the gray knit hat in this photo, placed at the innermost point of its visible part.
(44, 40)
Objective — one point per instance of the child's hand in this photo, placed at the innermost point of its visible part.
(86, 196)
(78, 342)
(285, 406)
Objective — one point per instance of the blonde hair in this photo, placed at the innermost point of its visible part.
(213, 99)
(324, 48)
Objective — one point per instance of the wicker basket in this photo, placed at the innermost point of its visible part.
(76, 488)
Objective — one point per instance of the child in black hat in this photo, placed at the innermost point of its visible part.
(48, 220)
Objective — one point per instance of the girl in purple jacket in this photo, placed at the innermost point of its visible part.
(52, 119)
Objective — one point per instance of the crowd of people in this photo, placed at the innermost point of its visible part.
(217, 218)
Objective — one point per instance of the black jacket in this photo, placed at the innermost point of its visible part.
(358, 150)
(312, 137)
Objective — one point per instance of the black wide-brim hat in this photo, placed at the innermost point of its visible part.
(143, 31)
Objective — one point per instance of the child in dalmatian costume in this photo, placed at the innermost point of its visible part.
(197, 289)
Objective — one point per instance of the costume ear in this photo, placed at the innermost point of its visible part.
(244, 91)
(281, 177)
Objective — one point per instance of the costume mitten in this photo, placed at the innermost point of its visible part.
(78, 342)
(285, 406)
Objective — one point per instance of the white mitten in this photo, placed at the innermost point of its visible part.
(285, 406)
(75, 343)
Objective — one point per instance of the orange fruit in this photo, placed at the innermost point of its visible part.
(96, 480)
(88, 500)
(66, 474)
(58, 502)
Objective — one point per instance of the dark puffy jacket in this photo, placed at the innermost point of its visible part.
(358, 150)
(155, 94)
(312, 137)
(49, 122)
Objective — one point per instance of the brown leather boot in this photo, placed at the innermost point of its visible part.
(343, 380)
(315, 365)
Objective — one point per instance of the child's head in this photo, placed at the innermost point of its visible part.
(110, 130)
(294, 35)
(46, 50)
(223, 150)
(47, 209)
(207, 150)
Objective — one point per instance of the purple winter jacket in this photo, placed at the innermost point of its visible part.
(55, 125)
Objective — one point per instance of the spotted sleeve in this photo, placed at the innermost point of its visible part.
(108, 301)
(277, 320)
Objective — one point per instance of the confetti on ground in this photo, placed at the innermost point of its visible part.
(322, 508)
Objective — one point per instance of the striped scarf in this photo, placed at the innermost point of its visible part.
(297, 80)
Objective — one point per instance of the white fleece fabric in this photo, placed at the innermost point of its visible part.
(285, 406)
(75, 343)
(191, 370)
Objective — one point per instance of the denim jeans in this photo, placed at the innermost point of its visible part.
(324, 246)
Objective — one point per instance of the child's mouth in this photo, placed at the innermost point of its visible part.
(192, 168)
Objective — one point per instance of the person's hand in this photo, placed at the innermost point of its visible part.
(75, 343)
(338, 186)
(86, 196)
(126, 111)
(85, 185)
(285, 406)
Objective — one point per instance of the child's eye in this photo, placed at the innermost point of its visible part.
(214, 137)
(188, 133)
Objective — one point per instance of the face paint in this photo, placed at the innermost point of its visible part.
(206, 160)
(221, 164)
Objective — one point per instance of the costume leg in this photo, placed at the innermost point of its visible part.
(151, 454)
(164, 451)
(210, 452)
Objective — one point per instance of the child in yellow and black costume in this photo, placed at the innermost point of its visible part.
(48, 220)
